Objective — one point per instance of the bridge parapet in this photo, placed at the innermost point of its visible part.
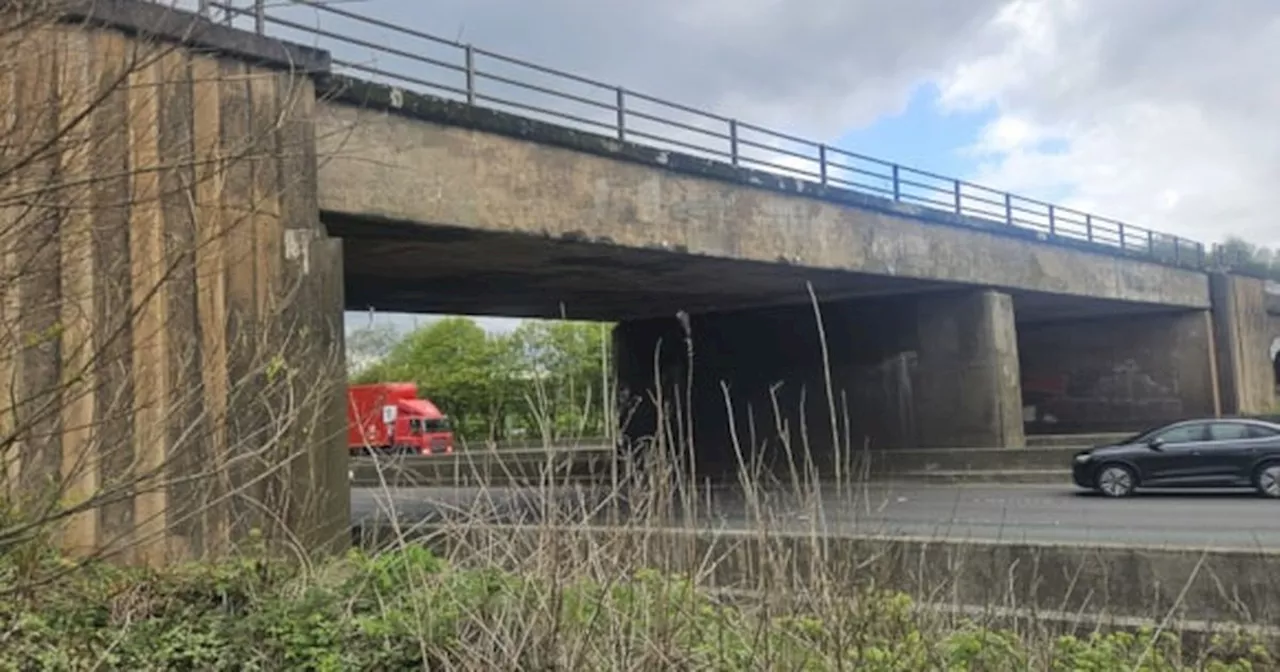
(477, 77)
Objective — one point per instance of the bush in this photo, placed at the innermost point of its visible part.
(409, 610)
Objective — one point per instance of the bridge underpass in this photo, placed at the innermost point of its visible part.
(754, 327)
(193, 366)
(938, 333)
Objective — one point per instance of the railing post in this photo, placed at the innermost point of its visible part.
(897, 185)
(1088, 227)
(1177, 252)
(470, 55)
(1053, 222)
(1151, 242)
(621, 105)
(1200, 261)
(959, 208)
(822, 164)
(733, 141)
(1008, 208)
(1124, 247)
(260, 16)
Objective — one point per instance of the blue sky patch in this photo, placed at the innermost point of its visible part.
(922, 136)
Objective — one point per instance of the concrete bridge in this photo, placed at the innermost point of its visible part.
(241, 194)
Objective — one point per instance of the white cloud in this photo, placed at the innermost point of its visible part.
(810, 67)
(1165, 109)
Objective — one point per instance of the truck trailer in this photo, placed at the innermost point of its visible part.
(389, 418)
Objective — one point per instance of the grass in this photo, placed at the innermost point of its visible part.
(556, 576)
(410, 609)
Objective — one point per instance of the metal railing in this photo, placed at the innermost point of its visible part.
(480, 77)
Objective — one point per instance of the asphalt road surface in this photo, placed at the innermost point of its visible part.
(1038, 513)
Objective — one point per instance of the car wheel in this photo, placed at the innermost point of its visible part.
(1268, 480)
(1114, 480)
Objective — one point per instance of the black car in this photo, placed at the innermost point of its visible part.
(1220, 452)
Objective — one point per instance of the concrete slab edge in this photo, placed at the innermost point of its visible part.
(170, 24)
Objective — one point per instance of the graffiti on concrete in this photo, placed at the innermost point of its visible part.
(1120, 397)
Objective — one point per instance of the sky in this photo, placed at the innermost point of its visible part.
(1160, 113)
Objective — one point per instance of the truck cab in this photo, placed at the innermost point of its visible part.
(390, 418)
(421, 428)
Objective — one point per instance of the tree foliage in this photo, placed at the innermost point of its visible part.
(544, 380)
(368, 345)
(560, 374)
(1243, 255)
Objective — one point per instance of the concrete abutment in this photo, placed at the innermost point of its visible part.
(171, 353)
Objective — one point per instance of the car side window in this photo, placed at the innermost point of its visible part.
(1183, 434)
(1257, 432)
(1228, 431)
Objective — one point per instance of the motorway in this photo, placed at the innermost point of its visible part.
(1036, 513)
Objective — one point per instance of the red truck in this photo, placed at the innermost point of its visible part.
(390, 418)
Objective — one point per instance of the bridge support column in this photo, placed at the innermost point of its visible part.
(171, 353)
(763, 386)
(968, 392)
(1241, 327)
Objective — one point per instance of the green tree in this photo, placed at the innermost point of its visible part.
(367, 346)
(1240, 254)
(560, 369)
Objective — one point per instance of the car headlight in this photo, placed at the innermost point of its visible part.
(1083, 458)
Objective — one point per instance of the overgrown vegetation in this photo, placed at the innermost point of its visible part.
(408, 609)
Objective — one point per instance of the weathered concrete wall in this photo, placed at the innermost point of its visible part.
(936, 371)
(171, 341)
(392, 166)
(1246, 371)
(1117, 374)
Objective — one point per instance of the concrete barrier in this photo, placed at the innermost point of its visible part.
(511, 466)
(1126, 581)
(969, 459)
(1073, 440)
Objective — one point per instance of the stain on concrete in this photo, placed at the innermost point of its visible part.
(353, 91)
(375, 163)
